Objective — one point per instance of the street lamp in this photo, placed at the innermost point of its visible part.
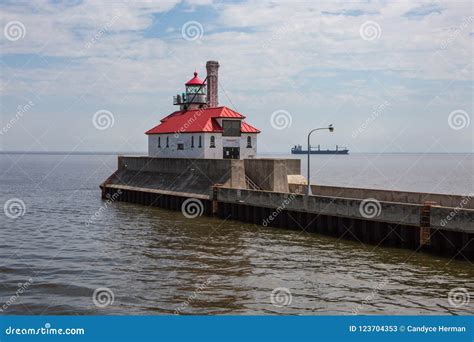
(331, 129)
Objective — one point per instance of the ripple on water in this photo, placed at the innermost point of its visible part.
(157, 261)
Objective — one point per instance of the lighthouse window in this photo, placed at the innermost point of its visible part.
(195, 89)
(231, 128)
(167, 141)
(180, 146)
(213, 141)
(200, 141)
(192, 141)
(249, 142)
(159, 142)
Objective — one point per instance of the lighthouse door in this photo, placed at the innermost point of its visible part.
(231, 152)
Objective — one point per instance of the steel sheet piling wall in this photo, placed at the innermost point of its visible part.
(399, 226)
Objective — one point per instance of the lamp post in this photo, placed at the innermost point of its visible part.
(331, 129)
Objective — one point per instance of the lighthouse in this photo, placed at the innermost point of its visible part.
(194, 97)
(201, 128)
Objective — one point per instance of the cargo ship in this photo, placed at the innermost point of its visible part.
(297, 149)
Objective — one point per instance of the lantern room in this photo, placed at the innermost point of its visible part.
(195, 96)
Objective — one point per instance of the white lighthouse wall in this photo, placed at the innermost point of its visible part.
(247, 153)
(213, 152)
(220, 142)
(206, 151)
(172, 151)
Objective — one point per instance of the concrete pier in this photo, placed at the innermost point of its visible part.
(440, 224)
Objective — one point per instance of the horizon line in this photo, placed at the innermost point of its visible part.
(146, 153)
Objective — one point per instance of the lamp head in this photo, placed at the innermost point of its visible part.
(331, 128)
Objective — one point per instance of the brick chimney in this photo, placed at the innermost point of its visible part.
(212, 68)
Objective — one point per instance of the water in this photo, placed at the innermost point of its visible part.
(437, 173)
(158, 262)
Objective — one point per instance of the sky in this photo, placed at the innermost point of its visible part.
(391, 76)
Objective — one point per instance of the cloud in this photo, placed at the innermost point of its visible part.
(297, 55)
(350, 13)
(424, 10)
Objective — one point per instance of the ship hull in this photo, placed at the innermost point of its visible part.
(321, 152)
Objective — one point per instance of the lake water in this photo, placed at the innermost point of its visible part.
(159, 262)
(437, 173)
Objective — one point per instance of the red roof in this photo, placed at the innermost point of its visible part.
(199, 120)
(195, 80)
